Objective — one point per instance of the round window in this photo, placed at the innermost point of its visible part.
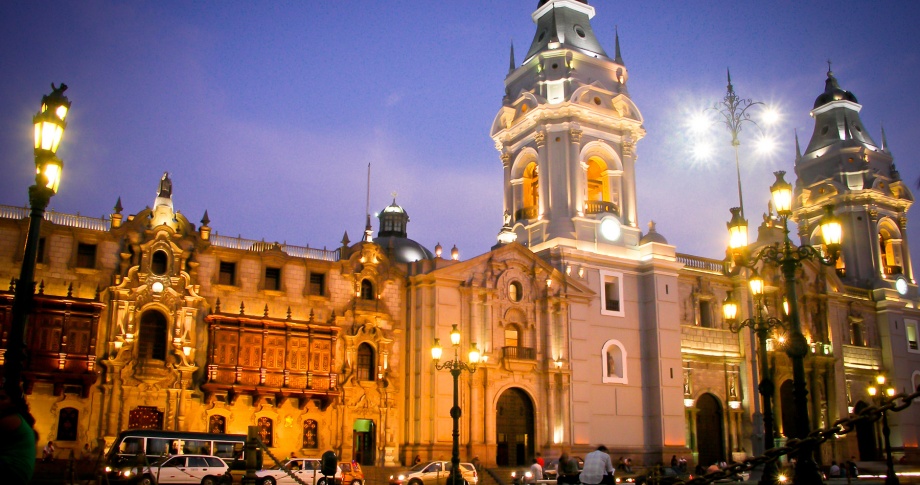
(515, 291)
(580, 31)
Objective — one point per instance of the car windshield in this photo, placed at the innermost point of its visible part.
(419, 467)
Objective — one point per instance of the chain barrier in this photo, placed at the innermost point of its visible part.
(841, 427)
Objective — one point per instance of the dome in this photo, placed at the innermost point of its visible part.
(833, 92)
(652, 236)
(403, 249)
(544, 2)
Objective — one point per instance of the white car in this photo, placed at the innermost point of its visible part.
(186, 469)
(306, 469)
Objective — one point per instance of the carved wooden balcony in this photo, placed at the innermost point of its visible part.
(601, 207)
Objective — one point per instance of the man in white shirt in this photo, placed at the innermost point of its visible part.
(536, 471)
(597, 464)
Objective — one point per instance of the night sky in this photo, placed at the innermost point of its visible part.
(266, 114)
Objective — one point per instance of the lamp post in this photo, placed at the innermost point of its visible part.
(761, 324)
(49, 129)
(883, 394)
(733, 110)
(456, 367)
(788, 258)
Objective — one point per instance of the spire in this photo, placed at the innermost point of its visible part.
(205, 220)
(118, 208)
(884, 140)
(798, 151)
(618, 58)
(511, 64)
(368, 231)
(728, 71)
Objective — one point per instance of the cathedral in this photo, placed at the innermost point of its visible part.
(592, 329)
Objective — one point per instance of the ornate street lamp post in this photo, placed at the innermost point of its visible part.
(49, 129)
(788, 258)
(761, 324)
(883, 394)
(456, 366)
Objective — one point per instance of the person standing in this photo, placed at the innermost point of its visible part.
(536, 471)
(597, 466)
(541, 461)
(567, 469)
(17, 446)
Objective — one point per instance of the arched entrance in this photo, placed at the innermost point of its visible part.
(787, 405)
(865, 436)
(709, 433)
(514, 428)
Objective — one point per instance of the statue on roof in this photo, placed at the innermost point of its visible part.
(165, 186)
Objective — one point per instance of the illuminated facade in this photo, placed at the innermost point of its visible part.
(593, 330)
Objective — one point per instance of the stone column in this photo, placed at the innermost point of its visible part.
(544, 206)
(577, 176)
(507, 200)
(628, 201)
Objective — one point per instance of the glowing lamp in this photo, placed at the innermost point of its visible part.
(455, 253)
(831, 230)
(872, 391)
(688, 403)
(455, 336)
(474, 354)
(49, 121)
(187, 350)
(782, 194)
(436, 350)
(118, 344)
(757, 285)
(880, 379)
(890, 392)
(737, 231)
(734, 404)
(730, 308)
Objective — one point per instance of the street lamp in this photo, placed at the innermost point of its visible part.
(883, 394)
(734, 113)
(456, 366)
(788, 258)
(49, 129)
(761, 324)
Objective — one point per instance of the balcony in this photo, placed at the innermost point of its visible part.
(714, 342)
(857, 357)
(519, 359)
(601, 207)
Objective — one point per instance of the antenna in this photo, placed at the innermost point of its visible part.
(368, 232)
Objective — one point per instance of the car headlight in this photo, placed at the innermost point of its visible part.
(513, 474)
(401, 478)
(127, 473)
(108, 469)
(528, 475)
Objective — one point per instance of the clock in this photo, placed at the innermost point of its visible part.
(610, 229)
(901, 285)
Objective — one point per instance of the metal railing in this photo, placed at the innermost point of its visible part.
(59, 218)
(524, 353)
(600, 206)
(708, 265)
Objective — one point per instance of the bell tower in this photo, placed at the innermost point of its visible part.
(567, 132)
(843, 166)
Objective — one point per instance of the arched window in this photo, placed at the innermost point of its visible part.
(310, 438)
(889, 241)
(367, 290)
(613, 362)
(67, 424)
(367, 368)
(515, 291)
(151, 343)
(158, 262)
(597, 183)
(531, 187)
(266, 430)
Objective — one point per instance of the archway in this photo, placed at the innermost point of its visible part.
(514, 426)
(709, 433)
(787, 404)
(865, 436)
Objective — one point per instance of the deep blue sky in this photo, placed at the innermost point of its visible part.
(267, 113)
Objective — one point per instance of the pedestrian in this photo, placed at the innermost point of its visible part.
(477, 464)
(834, 471)
(536, 471)
(597, 467)
(17, 448)
(540, 461)
(417, 460)
(567, 469)
(48, 452)
(852, 470)
(674, 462)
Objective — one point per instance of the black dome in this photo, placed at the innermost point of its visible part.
(544, 2)
(833, 92)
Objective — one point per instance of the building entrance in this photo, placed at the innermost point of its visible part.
(865, 436)
(709, 432)
(514, 425)
(363, 444)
